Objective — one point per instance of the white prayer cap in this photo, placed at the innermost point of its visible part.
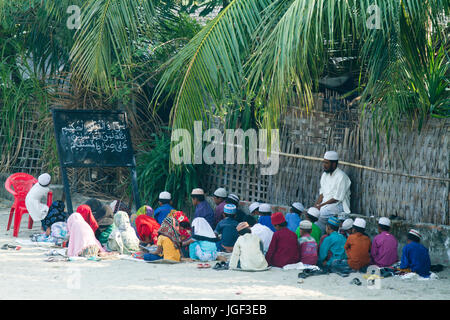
(198, 192)
(415, 233)
(234, 198)
(265, 208)
(305, 225)
(165, 196)
(384, 221)
(253, 206)
(220, 193)
(359, 223)
(298, 206)
(331, 155)
(44, 179)
(347, 224)
(313, 211)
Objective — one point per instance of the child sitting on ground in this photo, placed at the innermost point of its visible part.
(82, 241)
(312, 215)
(169, 242)
(357, 246)
(247, 251)
(308, 246)
(284, 248)
(384, 245)
(226, 228)
(202, 244)
(332, 248)
(415, 256)
(293, 218)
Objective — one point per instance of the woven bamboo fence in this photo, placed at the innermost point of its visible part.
(410, 179)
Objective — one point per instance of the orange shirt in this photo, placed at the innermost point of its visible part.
(357, 249)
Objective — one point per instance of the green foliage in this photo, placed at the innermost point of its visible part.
(155, 175)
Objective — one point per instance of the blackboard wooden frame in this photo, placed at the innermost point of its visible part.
(131, 163)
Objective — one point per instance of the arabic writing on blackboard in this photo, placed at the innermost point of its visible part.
(95, 135)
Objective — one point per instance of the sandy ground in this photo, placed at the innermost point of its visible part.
(25, 275)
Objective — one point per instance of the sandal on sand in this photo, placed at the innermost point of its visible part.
(221, 266)
(7, 246)
(203, 265)
(356, 281)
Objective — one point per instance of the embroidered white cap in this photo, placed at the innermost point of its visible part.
(253, 207)
(347, 224)
(416, 233)
(265, 208)
(198, 192)
(165, 196)
(384, 221)
(298, 206)
(221, 193)
(313, 211)
(331, 155)
(44, 179)
(359, 223)
(305, 224)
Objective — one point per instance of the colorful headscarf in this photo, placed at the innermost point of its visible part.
(180, 217)
(81, 235)
(170, 228)
(55, 214)
(86, 212)
(147, 210)
(147, 227)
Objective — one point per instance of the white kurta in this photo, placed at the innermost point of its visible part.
(247, 251)
(336, 186)
(264, 233)
(36, 209)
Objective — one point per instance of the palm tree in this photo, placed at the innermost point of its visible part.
(276, 51)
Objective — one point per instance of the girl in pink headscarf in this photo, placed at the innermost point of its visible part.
(82, 241)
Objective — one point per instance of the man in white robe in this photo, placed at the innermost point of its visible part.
(36, 209)
(334, 194)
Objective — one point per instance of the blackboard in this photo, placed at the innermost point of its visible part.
(93, 138)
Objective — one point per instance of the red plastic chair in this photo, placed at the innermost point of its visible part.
(18, 184)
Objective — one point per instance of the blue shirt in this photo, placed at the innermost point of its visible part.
(293, 220)
(266, 221)
(334, 243)
(162, 212)
(227, 228)
(204, 210)
(417, 258)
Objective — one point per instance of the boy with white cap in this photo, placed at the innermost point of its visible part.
(265, 212)
(165, 206)
(308, 245)
(219, 197)
(312, 215)
(332, 248)
(36, 209)
(384, 245)
(357, 246)
(254, 208)
(346, 227)
(415, 257)
(293, 218)
(334, 193)
(202, 207)
(234, 199)
(227, 229)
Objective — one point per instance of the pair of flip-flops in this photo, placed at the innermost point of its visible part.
(310, 272)
(221, 266)
(7, 246)
(356, 281)
(203, 266)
